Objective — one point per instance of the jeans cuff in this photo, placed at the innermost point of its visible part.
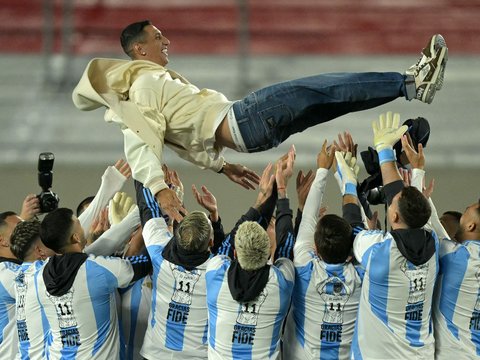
(410, 88)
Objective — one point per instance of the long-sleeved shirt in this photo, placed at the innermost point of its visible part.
(154, 107)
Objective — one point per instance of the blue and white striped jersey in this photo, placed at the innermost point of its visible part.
(177, 325)
(394, 317)
(247, 330)
(136, 302)
(8, 331)
(84, 321)
(34, 332)
(325, 297)
(456, 309)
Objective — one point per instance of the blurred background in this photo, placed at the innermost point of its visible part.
(233, 46)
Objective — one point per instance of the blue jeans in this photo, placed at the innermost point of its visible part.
(267, 117)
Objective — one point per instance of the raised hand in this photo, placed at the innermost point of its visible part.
(170, 204)
(304, 183)
(325, 156)
(284, 169)
(123, 167)
(416, 159)
(30, 207)
(119, 207)
(241, 175)
(265, 186)
(347, 171)
(206, 200)
(386, 132)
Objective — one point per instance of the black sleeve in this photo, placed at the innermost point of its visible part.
(362, 197)
(267, 208)
(228, 245)
(218, 235)
(147, 205)
(353, 215)
(393, 189)
(298, 220)
(142, 266)
(284, 232)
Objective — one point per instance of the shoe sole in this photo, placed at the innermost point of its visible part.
(437, 78)
(440, 43)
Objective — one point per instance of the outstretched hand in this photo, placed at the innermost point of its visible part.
(386, 132)
(123, 167)
(416, 159)
(170, 204)
(205, 200)
(241, 175)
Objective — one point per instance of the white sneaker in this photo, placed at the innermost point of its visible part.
(430, 69)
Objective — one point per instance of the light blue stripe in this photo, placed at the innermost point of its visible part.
(100, 296)
(47, 331)
(6, 300)
(350, 189)
(214, 281)
(302, 281)
(452, 268)
(151, 204)
(330, 349)
(24, 345)
(386, 155)
(135, 298)
(284, 295)
(379, 270)
(155, 252)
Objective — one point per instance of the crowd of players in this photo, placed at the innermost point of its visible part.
(119, 279)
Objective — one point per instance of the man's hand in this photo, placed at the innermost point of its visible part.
(265, 186)
(241, 175)
(346, 143)
(325, 156)
(123, 167)
(416, 159)
(30, 207)
(207, 201)
(284, 171)
(386, 131)
(304, 183)
(347, 171)
(170, 204)
(119, 207)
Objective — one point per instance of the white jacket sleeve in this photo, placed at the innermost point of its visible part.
(433, 223)
(305, 243)
(146, 166)
(112, 181)
(115, 238)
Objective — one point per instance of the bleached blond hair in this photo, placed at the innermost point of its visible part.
(252, 245)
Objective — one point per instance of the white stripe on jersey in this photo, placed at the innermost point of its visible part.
(247, 330)
(135, 309)
(177, 325)
(84, 321)
(8, 329)
(324, 309)
(34, 331)
(394, 318)
(456, 309)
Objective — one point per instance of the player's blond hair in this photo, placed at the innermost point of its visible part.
(193, 233)
(252, 245)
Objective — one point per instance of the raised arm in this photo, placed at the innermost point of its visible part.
(112, 181)
(305, 239)
(386, 132)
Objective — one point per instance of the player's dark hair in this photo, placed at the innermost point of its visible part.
(333, 239)
(413, 207)
(56, 228)
(131, 34)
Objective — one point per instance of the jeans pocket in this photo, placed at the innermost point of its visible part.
(276, 120)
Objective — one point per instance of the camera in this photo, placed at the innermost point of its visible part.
(47, 199)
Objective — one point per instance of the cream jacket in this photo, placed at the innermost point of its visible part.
(154, 107)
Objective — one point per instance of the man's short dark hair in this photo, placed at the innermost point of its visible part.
(84, 204)
(413, 207)
(131, 34)
(333, 239)
(455, 214)
(56, 228)
(4, 215)
(23, 237)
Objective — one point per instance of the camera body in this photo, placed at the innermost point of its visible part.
(47, 199)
